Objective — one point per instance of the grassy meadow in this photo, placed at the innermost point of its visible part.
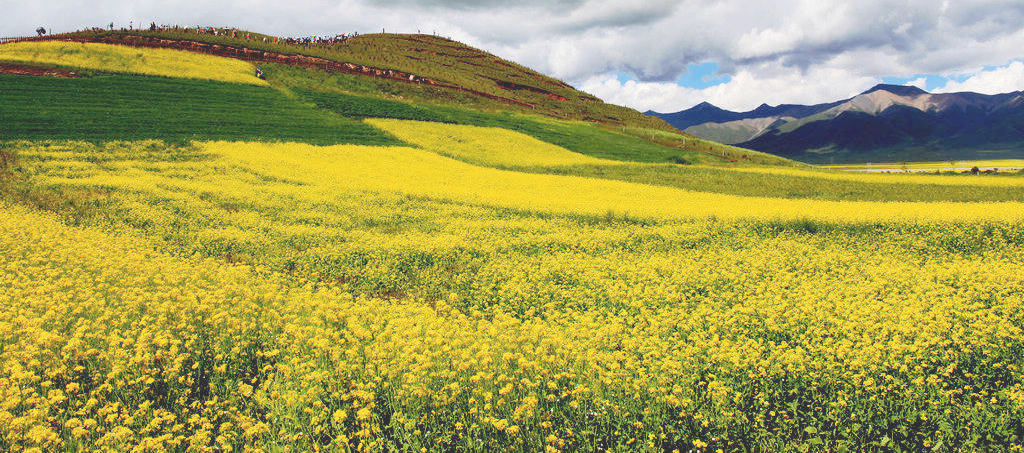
(816, 185)
(127, 107)
(193, 265)
(579, 137)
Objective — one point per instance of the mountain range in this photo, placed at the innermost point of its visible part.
(888, 123)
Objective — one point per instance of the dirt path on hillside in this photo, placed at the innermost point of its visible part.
(21, 69)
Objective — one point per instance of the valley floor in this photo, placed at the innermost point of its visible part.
(948, 166)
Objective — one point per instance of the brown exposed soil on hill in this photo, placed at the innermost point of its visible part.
(255, 55)
(21, 69)
(443, 54)
(517, 87)
(439, 42)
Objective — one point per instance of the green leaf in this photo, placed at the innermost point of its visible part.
(811, 430)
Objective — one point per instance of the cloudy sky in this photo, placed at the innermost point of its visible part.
(665, 55)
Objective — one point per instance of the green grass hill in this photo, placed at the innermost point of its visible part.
(316, 91)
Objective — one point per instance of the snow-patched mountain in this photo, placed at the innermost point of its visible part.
(887, 122)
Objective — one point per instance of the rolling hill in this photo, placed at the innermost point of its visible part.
(381, 75)
(888, 123)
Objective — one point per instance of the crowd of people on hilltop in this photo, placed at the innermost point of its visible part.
(326, 41)
(312, 40)
(309, 41)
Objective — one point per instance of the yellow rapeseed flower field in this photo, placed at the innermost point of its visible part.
(147, 61)
(488, 146)
(885, 178)
(265, 297)
(421, 173)
(966, 164)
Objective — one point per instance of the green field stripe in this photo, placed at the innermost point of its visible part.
(140, 107)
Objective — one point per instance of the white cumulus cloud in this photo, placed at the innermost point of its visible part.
(779, 51)
(1003, 79)
(769, 83)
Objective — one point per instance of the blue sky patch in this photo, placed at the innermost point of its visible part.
(624, 77)
(932, 81)
(703, 75)
(697, 76)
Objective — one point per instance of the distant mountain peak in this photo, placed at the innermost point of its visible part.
(705, 106)
(901, 90)
(886, 122)
(702, 108)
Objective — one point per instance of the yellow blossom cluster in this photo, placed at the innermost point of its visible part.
(487, 146)
(114, 58)
(887, 178)
(422, 173)
(192, 298)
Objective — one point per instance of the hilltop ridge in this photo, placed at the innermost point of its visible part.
(452, 70)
